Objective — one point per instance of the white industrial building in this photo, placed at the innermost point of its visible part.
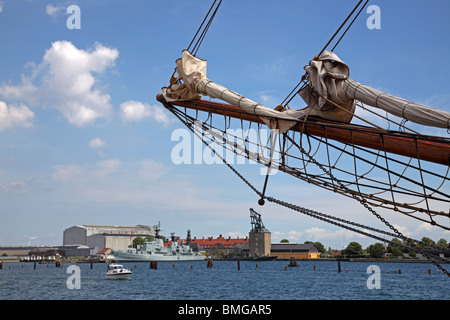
(100, 237)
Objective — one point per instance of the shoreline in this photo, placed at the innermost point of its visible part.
(377, 260)
(391, 260)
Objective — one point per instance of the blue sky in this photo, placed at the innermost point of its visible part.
(83, 140)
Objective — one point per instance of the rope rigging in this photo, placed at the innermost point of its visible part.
(200, 39)
(410, 244)
(343, 34)
(291, 95)
(303, 79)
(325, 178)
(382, 179)
(205, 29)
(341, 26)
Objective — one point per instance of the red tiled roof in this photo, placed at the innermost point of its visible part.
(226, 242)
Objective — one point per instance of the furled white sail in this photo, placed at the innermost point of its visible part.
(397, 106)
(330, 95)
(329, 79)
(192, 71)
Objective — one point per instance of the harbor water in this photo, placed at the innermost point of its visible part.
(263, 280)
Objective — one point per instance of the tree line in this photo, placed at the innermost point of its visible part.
(378, 250)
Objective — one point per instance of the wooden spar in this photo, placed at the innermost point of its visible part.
(409, 145)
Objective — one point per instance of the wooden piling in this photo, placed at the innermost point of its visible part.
(339, 265)
(239, 265)
(399, 271)
(35, 265)
(256, 266)
(429, 271)
(91, 264)
(58, 264)
(314, 267)
(1, 265)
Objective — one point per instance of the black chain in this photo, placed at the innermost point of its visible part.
(372, 211)
(322, 216)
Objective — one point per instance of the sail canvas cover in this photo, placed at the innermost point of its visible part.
(192, 71)
(329, 95)
(399, 107)
(329, 78)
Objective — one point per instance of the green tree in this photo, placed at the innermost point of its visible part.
(426, 241)
(318, 245)
(353, 249)
(284, 241)
(393, 249)
(138, 241)
(376, 250)
(442, 243)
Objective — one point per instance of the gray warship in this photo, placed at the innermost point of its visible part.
(155, 250)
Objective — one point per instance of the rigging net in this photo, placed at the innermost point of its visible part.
(217, 133)
(328, 155)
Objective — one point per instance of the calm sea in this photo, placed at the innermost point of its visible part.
(269, 280)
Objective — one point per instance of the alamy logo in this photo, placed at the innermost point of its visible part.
(74, 280)
(74, 21)
(374, 21)
(374, 280)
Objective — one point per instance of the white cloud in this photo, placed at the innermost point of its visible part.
(268, 100)
(107, 167)
(1, 5)
(83, 175)
(14, 116)
(16, 186)
(138, 184)
(135, 111)
(145, 170)
(319, 234)
(314, 234)
(294, 235)
(151, 170)
(67, 172)
(235, 234)
(53, 11)
(97, 143)
(65, 81)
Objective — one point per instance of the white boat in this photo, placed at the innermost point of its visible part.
(117, 271)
